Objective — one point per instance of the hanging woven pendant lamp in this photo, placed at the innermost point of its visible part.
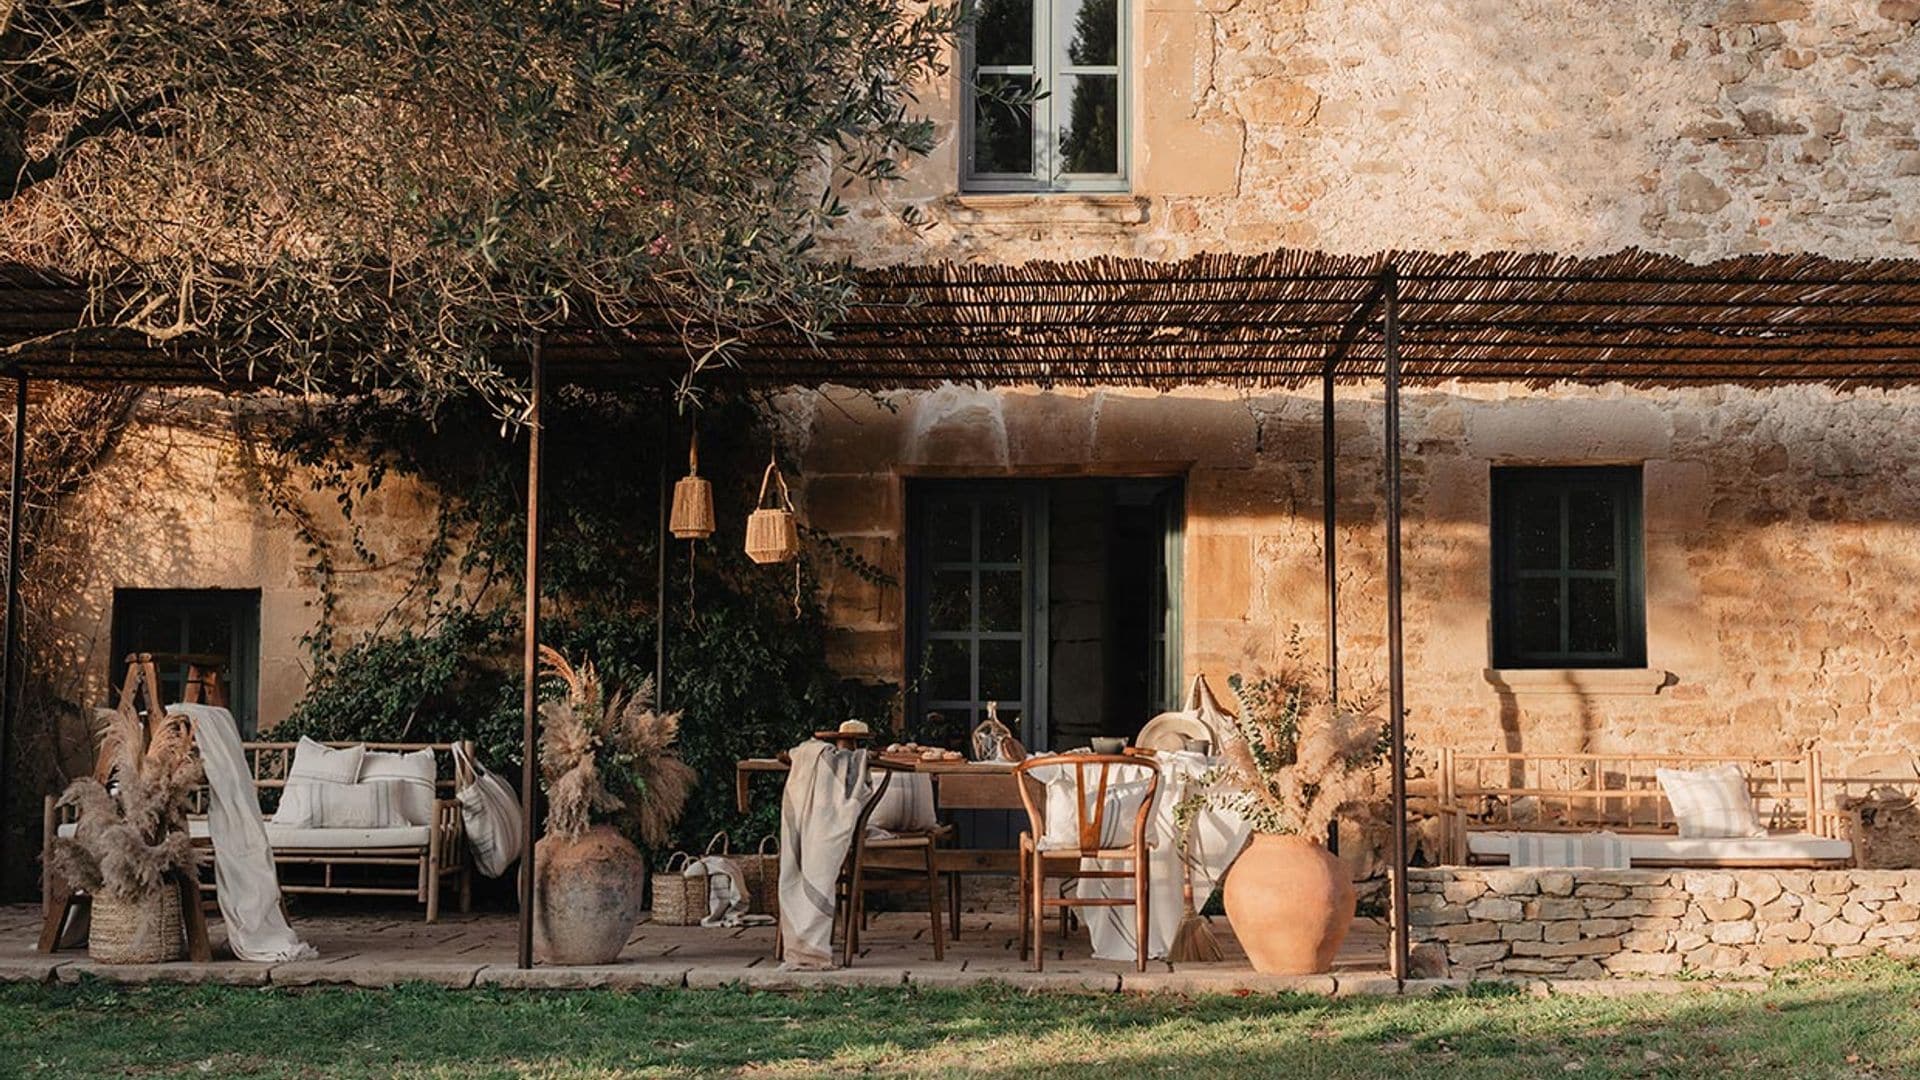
(692, 517)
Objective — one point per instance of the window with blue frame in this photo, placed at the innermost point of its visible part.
(1568, 579)
(1046, 96)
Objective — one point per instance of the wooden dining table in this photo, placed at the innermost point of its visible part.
(957, 785)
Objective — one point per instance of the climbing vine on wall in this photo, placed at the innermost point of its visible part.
(443, 660)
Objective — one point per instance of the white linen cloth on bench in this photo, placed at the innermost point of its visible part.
(1599, 851)
(245, 881)
(1218, 836)
(826, 789)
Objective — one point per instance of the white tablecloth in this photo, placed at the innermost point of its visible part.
(1218, 836)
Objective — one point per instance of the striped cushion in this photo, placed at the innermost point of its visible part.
(1710, 803)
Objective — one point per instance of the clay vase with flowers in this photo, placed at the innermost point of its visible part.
(610, 771)
(1294, 763)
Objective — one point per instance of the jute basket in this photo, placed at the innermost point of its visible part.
(692, 517)
(678, 900)
(146, 931)
(772, 535)
(762, 871)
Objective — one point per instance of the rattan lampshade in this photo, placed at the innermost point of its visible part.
(692, 517)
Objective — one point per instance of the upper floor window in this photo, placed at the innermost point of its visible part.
(1046, 93)
(1568, 590)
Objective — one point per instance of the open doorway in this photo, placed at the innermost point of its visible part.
(1056, 599)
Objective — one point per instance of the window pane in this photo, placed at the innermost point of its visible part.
(1536, 530)
(1001, 670)
(1004, 34)
(1536, 616)
(210, 633)
(949, 671)
(1090, 136)
(1000, 531)
(1091, 30)
(950, 600)
(949, 530)
(1002, 600)
(1003, 124)
(1593, 624)
(1590, 529)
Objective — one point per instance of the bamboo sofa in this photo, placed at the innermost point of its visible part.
(431, 855)
(1485, 799)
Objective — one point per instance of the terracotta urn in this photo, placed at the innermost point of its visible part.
(587, 896)
(1291, 904)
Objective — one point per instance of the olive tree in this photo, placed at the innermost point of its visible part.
(369, 194)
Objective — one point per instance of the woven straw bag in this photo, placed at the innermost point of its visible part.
(772, 534)
(762, 871)
(145, 931)
(678, 900)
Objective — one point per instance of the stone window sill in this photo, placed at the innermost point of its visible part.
(1618, 682)
(1050, 208)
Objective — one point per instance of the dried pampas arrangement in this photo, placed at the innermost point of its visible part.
(131, 831)
(1294, 760)
(610, 755)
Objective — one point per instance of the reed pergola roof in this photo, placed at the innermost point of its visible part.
(1275, 319)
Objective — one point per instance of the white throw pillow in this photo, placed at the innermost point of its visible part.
(1710, 803)
(1122, 804)
(315, 765)
(410, 775)
(907, 805)
(310, 805)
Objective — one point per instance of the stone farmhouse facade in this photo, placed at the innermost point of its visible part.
(1730, 569)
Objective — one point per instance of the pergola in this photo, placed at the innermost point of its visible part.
(1286, 319)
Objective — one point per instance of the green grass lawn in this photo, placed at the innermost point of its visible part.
(1842, 1021)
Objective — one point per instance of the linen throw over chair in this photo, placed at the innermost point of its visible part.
(1093, 825)
(887, 862)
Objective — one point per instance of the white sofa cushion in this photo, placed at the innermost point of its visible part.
(288, 838)
(1645, 850)
(409, 776)
(318, 762)
(1710, 803)
(306, 804)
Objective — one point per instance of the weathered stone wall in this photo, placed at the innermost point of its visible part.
(1702, 127)
(1585, 924)
(181, 504)
(1781, 543)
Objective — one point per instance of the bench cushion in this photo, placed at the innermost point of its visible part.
(287, 838)
(1644, 849)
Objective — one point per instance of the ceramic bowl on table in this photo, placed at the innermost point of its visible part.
(1106, 744)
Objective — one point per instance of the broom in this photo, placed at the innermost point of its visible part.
(1193, 942)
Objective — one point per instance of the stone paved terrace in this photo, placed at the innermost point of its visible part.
(362, 946)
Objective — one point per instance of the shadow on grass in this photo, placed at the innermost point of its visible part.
(1841, 1021)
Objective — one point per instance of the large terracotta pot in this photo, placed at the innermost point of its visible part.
(587, 896)
(1291, 904)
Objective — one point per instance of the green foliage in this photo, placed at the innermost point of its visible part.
(748, 672)
(408, 194)
(1845, 1021)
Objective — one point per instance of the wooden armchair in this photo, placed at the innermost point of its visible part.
(1095, 836)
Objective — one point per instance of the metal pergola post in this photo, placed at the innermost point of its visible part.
(1396, 652)
(660, 561)
(1329, 519)
(10, 648)
(530, 658)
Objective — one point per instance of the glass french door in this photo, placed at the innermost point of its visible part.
(978, 629)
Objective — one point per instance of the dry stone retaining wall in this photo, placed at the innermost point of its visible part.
(1589, 924)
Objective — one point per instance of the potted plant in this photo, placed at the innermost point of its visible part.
(1293, 763)
(130, 843)
(608, 766)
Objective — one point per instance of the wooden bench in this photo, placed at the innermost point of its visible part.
(430, 855)
(1485, 797)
